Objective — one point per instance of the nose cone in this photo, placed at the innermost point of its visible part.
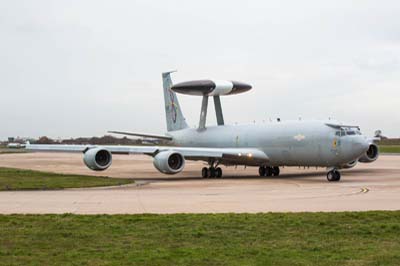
(360, 145)
(366, 145)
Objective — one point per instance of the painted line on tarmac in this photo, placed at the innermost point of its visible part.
(364, 190)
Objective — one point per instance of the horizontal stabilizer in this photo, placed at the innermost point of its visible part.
(143, 135)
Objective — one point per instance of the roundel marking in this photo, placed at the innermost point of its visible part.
(334, 144)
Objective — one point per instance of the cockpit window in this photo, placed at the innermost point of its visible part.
(340, 133)
(347, 131)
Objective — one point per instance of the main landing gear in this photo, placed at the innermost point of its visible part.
(268, 171)
(333, 175)
(211, 172)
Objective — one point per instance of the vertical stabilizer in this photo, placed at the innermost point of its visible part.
(173, 111)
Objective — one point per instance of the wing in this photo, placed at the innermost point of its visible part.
(245, 156)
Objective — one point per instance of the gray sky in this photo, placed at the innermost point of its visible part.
(80, 68)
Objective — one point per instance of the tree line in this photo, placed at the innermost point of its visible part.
(104, 140)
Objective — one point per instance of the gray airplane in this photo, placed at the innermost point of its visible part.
(267, 146)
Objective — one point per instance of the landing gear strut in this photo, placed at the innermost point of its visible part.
(333, 175)
(211, 172)
(268, 171)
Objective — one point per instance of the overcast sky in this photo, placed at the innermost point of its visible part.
(80, 68)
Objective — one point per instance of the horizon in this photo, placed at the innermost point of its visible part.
(139, 138)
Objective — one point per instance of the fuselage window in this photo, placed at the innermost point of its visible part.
(351, 133)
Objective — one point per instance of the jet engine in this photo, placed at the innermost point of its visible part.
(97, 159)
(350, 164)
(370, 155)
(169, 162)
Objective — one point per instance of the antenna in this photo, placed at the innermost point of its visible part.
(206, 88)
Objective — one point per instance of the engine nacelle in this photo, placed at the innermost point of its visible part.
(97, 159)
(370, 155)
(350, 164)
(169, 162)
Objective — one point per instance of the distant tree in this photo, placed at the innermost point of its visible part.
(104, 140)
(45, 140)
(387, 141)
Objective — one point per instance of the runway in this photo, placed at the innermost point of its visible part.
(374, 186)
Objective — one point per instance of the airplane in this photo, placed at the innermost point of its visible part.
(15, 145)
(268, 146)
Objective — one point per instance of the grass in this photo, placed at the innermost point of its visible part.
(389, 148)
(4, 150)
(364, 238)
(392, 141)
(18, 179)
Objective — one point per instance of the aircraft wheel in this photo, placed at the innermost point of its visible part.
(337, 175)
(268, 171)
(333, 175)
(330, 176)
(276, 171)
(204, 172)
(261, 171)
(211, 172)
(218, 172)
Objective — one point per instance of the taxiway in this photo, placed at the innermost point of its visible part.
(374, 186)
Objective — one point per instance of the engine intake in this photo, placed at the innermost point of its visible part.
(97, 159)
(169, 162)
(370, 155)
(350, 164)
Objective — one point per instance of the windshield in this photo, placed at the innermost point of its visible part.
(348, 132)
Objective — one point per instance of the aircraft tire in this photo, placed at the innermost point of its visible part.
(337, 175)
(261, 171)
(204, 172)
(330, 176)
(268, 171)
(333, 175)
(218, 172)
(276, 171)
(211, 172)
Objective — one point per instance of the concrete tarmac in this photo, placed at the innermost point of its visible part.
(374, 186)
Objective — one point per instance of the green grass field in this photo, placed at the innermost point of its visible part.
(18, 179)
(364, 238)
(389, 148)
(4, 150)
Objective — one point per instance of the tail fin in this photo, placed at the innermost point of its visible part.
(173, 111)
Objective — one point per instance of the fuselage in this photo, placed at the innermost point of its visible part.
(286, 143)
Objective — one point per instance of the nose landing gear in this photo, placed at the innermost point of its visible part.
(333, 175)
